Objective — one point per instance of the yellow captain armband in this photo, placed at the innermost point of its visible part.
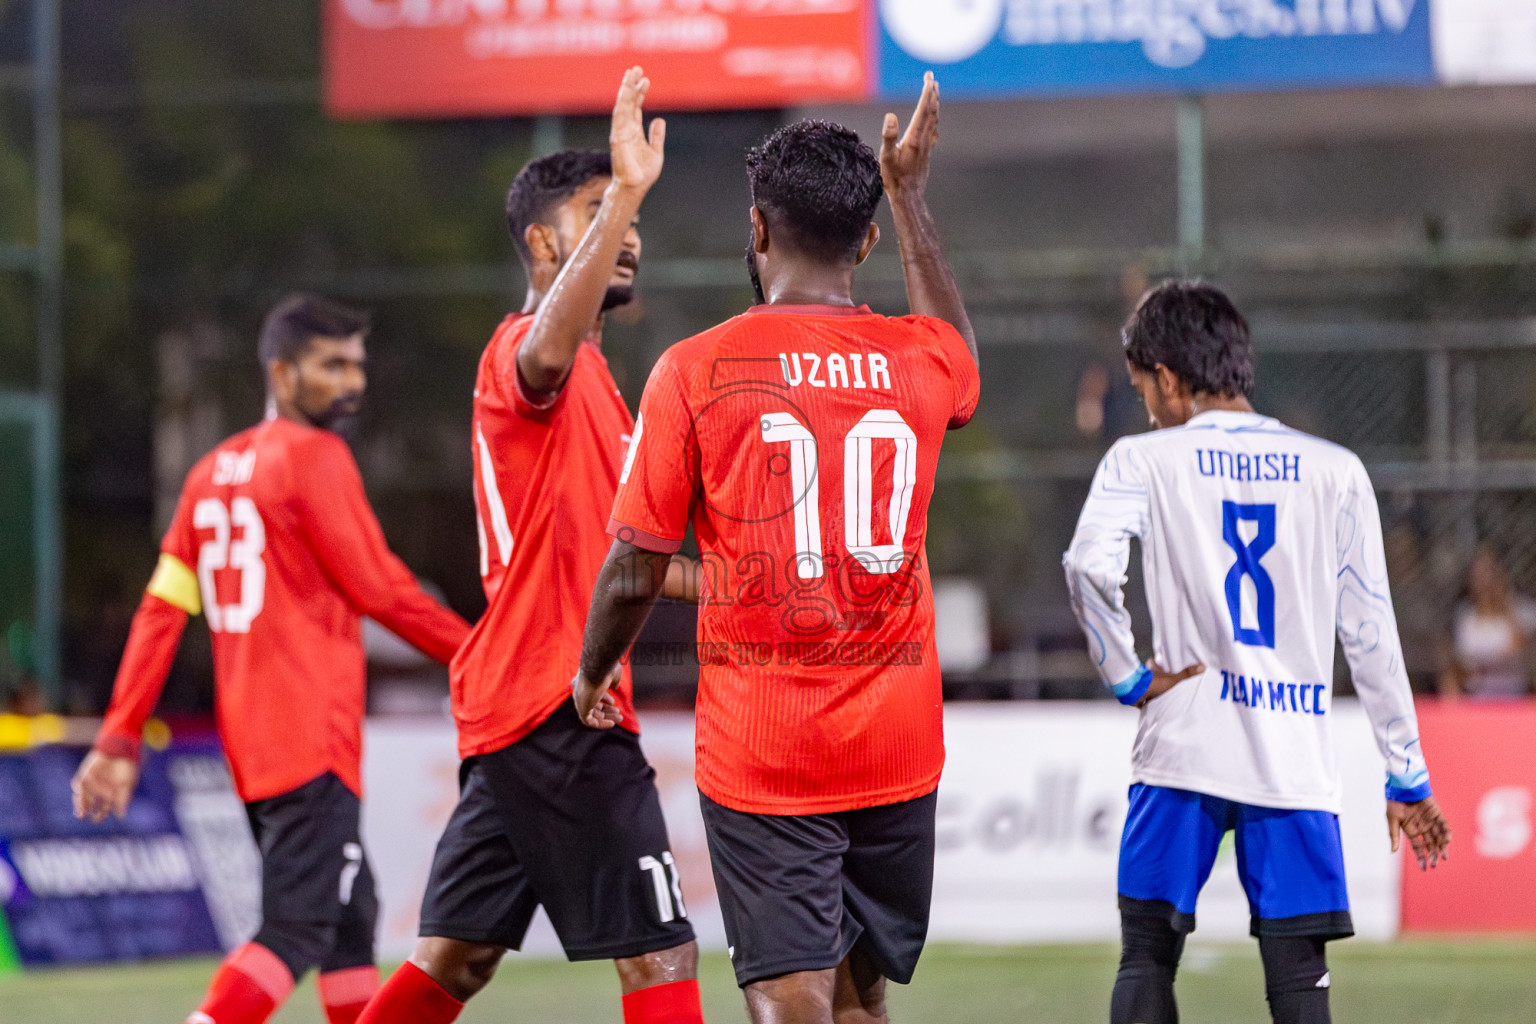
(176, 585)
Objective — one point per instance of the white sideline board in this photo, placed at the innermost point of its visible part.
(1030, 812)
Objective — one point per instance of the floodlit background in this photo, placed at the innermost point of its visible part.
(1357, 173)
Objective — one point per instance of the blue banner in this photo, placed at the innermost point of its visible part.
(152, 885)
(997, 48)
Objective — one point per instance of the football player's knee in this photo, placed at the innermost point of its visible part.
(860, 985)
(1294, 963)
(300, 945)
(1148, 940)
(480, 964)
(353, 946)
(678, 963)
(855, 1002)
(1296, 979)
(1150, 948)
(802, 993)
(461, 968)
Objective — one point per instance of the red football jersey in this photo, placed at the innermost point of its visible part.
(545, 473)
(802, 441)
(287, 555)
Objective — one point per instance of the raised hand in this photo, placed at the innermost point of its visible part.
(596, 705)
(103, 785)
(636, 160)
(1426, 828)
(904, 163)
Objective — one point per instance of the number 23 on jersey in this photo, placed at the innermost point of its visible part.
(223, 552)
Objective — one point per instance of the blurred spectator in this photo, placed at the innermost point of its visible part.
(1106, 404)
(1421, 592)
(1092, 391)
(1491, 638)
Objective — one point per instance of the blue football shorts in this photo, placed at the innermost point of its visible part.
(1291, 862)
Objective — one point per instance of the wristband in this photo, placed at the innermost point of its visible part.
(1133, 688)
(1408, 794)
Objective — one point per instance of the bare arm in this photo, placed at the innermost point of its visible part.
(682, 582)
(628, 584)
(931, 287)
(105, 780)
(566, 315)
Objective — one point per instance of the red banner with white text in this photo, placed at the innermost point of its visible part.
(1482, 762)
(441, 58)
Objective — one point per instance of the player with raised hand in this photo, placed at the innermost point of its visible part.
(550, 812)
(1259, 543)
(800, 440)
(274, 542)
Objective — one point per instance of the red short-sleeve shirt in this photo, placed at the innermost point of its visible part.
(801, 442)
(545, 474)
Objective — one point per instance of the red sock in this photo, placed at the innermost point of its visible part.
(676, 1002)
(344, 993)
(247, 987)
(410, 996)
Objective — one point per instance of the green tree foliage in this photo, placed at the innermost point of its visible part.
(202, 181)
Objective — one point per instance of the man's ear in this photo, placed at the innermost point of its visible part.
(1169, 384)
(870, 238)
(542, 244)
(759, 231)
(282, 380)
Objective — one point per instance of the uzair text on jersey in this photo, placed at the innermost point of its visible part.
(836, 371)
(1260, 694)
(1250, 467)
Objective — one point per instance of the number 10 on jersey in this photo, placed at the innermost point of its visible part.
(858, 488)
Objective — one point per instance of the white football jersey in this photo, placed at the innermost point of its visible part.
(1258, 542)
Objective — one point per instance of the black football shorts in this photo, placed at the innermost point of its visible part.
(567, 817)
(799, 892)
(312, 864)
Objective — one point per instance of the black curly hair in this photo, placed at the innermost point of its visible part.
(1195, 330)
(545, 183)
(815, 181)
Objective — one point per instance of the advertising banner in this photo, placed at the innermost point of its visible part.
(420, 58)
(1029, 820)
(177, 876)
(1485, 42)
(991, 48)
(1031, 809)
(1482, 759)
(410, 779)
(453, 58)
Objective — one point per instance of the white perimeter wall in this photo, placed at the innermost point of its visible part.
(1030, 811)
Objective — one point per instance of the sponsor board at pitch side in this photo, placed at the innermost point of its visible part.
(1482, 758)
(1029, 818)
(168, 880)
(425, 58)
(1032, 804)
(987, 48)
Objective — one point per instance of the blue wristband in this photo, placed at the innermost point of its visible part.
(1130, 690)
(1409, 795)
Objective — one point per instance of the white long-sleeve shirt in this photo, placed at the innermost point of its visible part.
(1257, 543)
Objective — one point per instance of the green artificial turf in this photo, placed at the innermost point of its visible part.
(1472, 981)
